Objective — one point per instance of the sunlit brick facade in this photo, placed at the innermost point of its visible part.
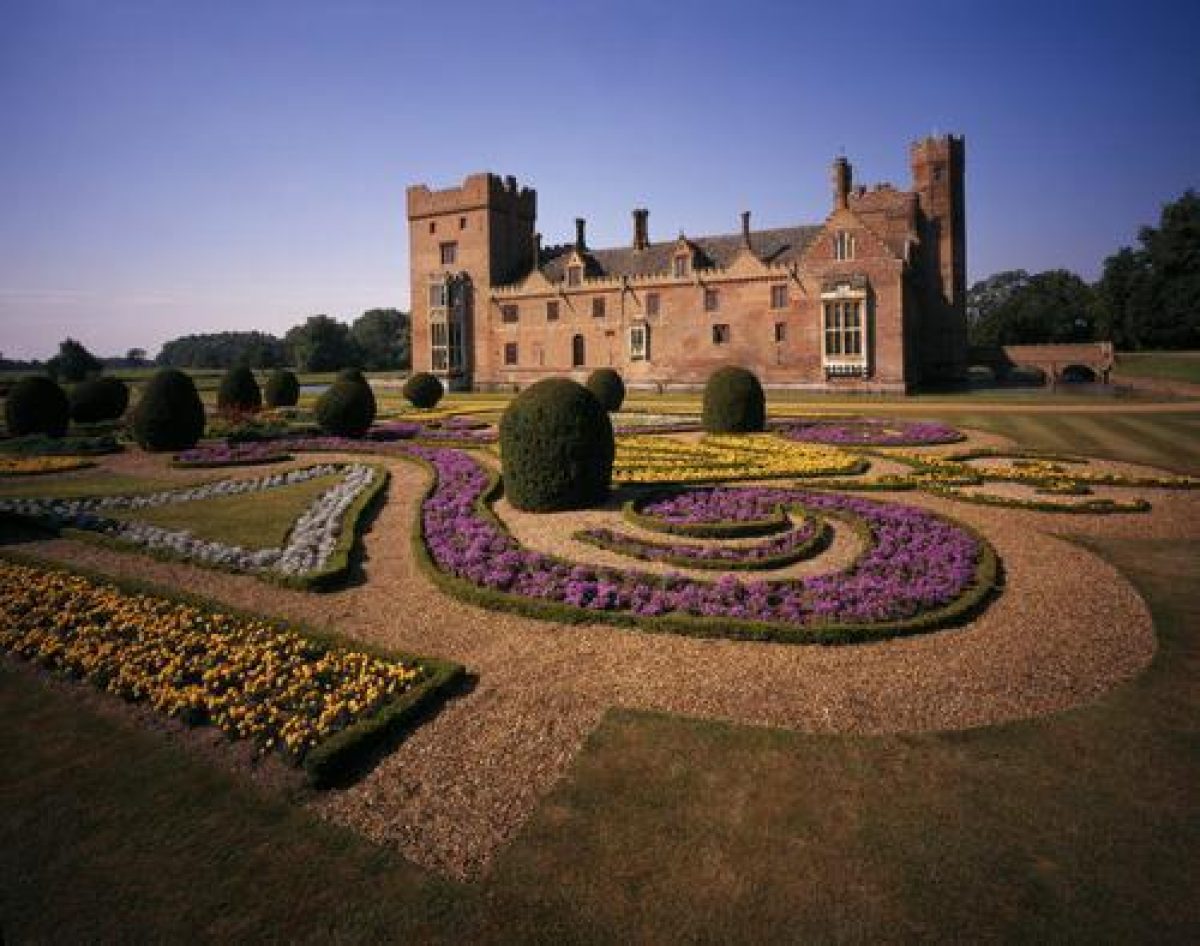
(871, 298)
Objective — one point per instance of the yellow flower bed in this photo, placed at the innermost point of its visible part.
(17, 466)
(643, 458)
(247, 677)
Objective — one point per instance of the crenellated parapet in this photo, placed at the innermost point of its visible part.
(477, 191)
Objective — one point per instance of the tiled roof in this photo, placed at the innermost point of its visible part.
(771, 246)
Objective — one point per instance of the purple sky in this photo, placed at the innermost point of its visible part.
(171, 168)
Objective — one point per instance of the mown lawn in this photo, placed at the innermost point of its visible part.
(1164, 365)
(1080, 827)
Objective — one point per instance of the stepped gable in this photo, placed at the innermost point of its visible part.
(782, 245)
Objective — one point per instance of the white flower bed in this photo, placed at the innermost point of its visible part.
(309, 545)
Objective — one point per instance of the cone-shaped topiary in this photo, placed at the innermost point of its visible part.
(423, 390)
(169, 415)
(556, 447)
(98, 399)
(282, 389)
(346, 409)
(352, 374)
(734, 402)
(36, 405)
(239, 391)
(608, 387)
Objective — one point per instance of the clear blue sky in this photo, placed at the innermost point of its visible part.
(176, 167)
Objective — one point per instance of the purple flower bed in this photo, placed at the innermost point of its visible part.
(236, 454)
(916, 561)
(394, 430)
(870, 432)
(793, 545)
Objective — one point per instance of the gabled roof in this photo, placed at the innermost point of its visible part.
(782, 245)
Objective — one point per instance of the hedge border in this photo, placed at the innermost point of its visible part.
(219, 465)
(84, 464)
(810, 548)
(1096, 507)
(989, 581)
(323, 579)
(633, 511)
(345, 750)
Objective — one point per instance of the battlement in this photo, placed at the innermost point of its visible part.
(935, 145)
(477, 191)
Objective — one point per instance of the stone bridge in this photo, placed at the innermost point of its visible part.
(1080, 361)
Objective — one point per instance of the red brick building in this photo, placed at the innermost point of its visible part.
(871, 299)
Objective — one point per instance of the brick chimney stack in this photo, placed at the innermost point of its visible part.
(580, 242)
(536, 251)
(843, 180)
(746, 228)
(641, 229)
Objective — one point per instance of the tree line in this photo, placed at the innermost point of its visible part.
(1147, 297)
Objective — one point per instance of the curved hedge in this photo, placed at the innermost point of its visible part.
(346, 409)
(734, 402)
(282, 389)
(98, 399)
(239, 391)
(423, 390)
(170, 414)
(608, 388)
(36, 405)
(556, 447)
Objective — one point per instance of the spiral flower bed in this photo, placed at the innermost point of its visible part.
(251, 453)
(803, 541)
(870, 432)
(658, 459)
(919, 570)
(325, 528)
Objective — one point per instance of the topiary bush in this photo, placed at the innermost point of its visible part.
(734, 402)
(608, 388)
(556, 447)
(98, 399)
(282, 390)
(346, 409)
(36, 405)
(352, 374)
(423, 390)
(239, 391)
(169, 415)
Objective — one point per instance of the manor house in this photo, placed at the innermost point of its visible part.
(869, 299)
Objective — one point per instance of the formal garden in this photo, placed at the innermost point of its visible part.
(430, 620)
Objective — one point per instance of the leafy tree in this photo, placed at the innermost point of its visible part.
(136, 356)
(1150, 297)
(1050, 307)
(987, 297)
(322, 344)
(384, 338)
(224, 350)
(73, 362)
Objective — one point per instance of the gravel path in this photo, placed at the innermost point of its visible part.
(1067, 629)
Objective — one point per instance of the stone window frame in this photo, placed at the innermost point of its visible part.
(639, 341)
(578, 351)
(681, 265)
(448, 252)
(779, 295)
(551, 310)
(837, 305)
(844, 247)
(598, 307)
(511, 354)
(439, 294)
(510, 313)
(653, 303)
(721, 333)
(780, 332)
(712, 299)
(575, 275)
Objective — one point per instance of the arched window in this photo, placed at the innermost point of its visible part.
(578, 352)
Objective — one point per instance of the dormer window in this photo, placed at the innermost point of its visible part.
(681, 267)
(843, 245)
(575, 275)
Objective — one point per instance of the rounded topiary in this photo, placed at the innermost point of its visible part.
(556, 447)
(352, 374)
(239, 391)
(169, 415)
(734, 402)
(283, 389)
(423, 390)
(98, 399)
(346, 409)
(36, 405)
(608, 387)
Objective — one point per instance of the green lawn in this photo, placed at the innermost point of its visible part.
(252, 520)
(1163, 365)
